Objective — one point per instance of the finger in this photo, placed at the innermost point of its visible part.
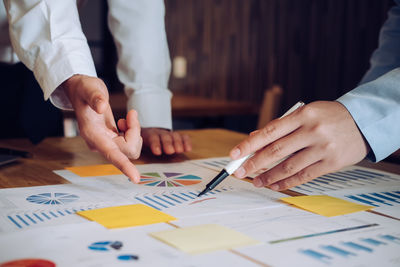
(187, 143)
(288, 167)
(155, 144)
(131, 143)
(274, 152)
(133, 126)
(122, 125)
(305, 175)
(113, 154)
(271, 132)
(96, 96)
(167, 144)
(178, 142)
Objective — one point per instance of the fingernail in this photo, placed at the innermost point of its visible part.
(274, 187)
(235, 153)
(258, 182)
(240, 172)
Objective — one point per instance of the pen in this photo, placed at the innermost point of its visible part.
(232, 166)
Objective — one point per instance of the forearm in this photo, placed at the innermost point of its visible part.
(143, 58)
(47, 37)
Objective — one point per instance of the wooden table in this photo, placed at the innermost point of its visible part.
(58, 153)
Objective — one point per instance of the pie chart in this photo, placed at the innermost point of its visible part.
(168, 179)
(52, 198)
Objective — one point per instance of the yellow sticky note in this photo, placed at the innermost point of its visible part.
(126, 216)
(325, 205)
(94, 170)
(203, 238)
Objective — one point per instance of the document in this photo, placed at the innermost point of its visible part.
(90, 244)
(203, 238)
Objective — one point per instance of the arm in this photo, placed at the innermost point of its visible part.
(323, 137)
(46, 43)
(379, 91)
(47, 37)
(144, 68)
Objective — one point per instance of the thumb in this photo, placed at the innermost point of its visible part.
(96, 96)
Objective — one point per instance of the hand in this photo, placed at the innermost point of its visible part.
(89, 97)
(159, 140)
(321, 137)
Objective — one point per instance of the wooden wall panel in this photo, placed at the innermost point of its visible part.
(316, 49)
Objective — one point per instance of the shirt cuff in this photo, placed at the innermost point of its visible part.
(50, 75)
(153, 106)
(375, 109)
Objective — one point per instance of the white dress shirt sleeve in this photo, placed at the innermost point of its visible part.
(47, 37)
(144, 64)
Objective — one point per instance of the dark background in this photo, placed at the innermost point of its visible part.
(235, 49)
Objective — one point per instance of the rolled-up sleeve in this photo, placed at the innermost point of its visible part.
(144, 63)
(48, 39)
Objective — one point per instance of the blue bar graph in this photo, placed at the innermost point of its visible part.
(316, 255)
(363, 201)
(357, 246)
(391, 238)
(29, 219)
(347, 179)
(167, 200)
(14, 221)
(377, 199)
(22, 220)
(338, 251)
(372, 241)
(38, 217)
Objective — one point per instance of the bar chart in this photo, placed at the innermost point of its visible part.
(384, 199)
(165, 200)
(28, 219)
(360, 247)
(351, 177)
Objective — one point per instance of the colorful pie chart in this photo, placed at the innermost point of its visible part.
(168, 179)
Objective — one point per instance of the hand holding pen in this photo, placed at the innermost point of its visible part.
(321, 137)
(235, 164)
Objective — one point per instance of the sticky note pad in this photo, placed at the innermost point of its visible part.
(325, 205)
(94, 170)
(203, 238)
(126, 216)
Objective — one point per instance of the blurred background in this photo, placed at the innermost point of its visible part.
(232, 51)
